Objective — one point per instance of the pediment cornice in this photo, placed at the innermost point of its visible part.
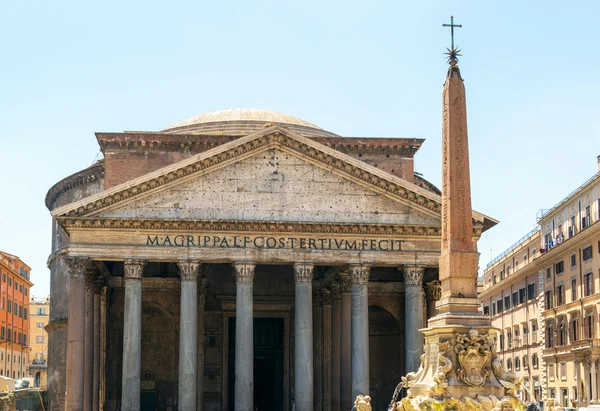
(272, 137)
(250, 226)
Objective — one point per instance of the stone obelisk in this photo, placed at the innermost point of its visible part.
(459, 368)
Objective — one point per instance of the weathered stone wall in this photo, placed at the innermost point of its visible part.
(59, 293)
(272, 185)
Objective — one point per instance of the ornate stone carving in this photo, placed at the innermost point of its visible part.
(433, 290)
(504, 405)
(360, 273)
(254, 226)
(326, 297)
(303, 273)
(474, 352)
(413, 275)
(344, 282)
(77, 266)
(134, 269)
(440, 377)
(244, 272)
(334, 287)
(362, 403)
(189, 270)
(413, 377)
(508, 380)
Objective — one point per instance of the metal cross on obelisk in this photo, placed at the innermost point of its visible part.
(452, 25)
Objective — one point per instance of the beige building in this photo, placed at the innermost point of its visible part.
(510, 296)
(543, 293)
(39, 315)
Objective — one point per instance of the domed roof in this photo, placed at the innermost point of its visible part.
(241, 121)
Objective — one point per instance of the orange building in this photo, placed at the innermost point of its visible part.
(15, 288)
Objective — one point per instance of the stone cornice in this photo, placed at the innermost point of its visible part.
(368, 176)
(204, 142)
(249, 226)
(82, 177)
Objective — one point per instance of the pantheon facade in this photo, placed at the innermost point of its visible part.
(241, 260)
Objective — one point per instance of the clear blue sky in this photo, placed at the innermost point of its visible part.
(368, 68)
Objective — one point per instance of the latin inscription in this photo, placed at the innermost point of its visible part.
(266, 242)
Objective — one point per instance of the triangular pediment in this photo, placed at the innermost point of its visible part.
(273, 175)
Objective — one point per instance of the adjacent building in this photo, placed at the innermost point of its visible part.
(39, 315)
(510, 297)
(543, 294)
(15, 288)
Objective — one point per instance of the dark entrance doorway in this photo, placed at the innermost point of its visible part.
(268, 364)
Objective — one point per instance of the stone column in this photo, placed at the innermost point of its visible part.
(594, 381)
(335, 346)
(433, 292)
(326, 300)
(303, 338)
(188, 335)
(98, 286)
(77, 267)
(413, 316)
(577, 378)
(587, 369)
(317, 350)
(132, 336)
(88, 378)
(200, 376)
(346, 399)
(244, 337)
(360, 330)
(103, 331)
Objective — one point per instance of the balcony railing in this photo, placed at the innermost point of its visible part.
(587, 344)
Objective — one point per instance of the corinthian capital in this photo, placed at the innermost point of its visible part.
(433, 290)
(413, 275)
(303, 273)
(326, 296)
(77, 266)
(335, 290)
(189, 269)
(344, 281)
(244, 272)
(134, 269)
(360, 273)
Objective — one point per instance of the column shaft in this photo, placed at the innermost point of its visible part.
(594, 381)
(96, 376)
(88, 378)
(188, 335)
(200, 377)
(75, 332)
(336, 329)
(360, 331)
(303, 339)
(577, 379)
(587, 383)
(132, 337)
(326, 296)
(317, 351)
(103, 330)
(413, 280)
(346, 399)
(244, 338)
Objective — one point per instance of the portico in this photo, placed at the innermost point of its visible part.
(271, 254)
